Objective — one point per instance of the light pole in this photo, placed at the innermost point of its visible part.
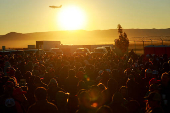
(143, 42)
(151, 41)
(162, 41)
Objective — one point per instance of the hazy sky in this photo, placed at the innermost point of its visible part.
(27, 16)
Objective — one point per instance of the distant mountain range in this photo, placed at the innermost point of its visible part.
(78, 37)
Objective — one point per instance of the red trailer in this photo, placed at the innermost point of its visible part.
(149, 49)
(168, 51)
(160, 50)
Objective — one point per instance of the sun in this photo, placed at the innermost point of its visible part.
(71, 18)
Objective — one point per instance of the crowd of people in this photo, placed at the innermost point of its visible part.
(84, 84)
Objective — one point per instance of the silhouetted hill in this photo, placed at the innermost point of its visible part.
(147, 32)
(13, 36)
(14, 39)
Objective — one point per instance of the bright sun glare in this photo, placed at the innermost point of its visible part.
(71, 18)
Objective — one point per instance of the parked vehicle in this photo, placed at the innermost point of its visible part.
(82, 51)
(16, 52)
(4, 52)
(56, 51)
(109, 49)
(11, 51)
(34, 51)
(99, 51)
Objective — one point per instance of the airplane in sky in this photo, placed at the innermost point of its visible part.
(55, 6)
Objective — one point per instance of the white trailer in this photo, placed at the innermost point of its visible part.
(47, 45)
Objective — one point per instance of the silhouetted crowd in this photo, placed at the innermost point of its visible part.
(84, 84)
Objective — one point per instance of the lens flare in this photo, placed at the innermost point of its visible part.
(94, 105)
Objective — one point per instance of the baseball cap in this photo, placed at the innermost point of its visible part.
(153, 96)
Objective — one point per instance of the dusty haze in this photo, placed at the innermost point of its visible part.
(78, 37)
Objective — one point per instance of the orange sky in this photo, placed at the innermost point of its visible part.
(36, 16)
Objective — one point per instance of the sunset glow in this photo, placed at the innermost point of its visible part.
(71, 18)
